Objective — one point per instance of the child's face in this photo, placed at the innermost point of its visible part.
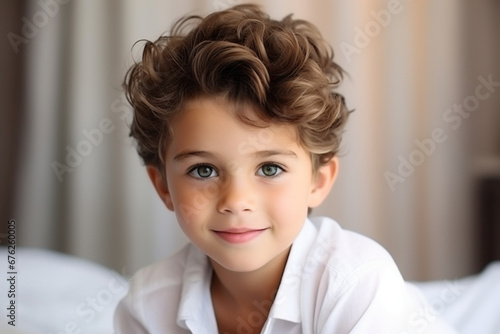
(240, 193)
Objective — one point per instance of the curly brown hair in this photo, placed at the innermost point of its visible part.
(284, 68)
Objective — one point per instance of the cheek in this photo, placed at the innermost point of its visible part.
(191, 203)
(289, 203)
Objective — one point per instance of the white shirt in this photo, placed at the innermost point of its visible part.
(335, 281)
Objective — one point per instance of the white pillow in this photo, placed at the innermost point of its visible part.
(58, 293)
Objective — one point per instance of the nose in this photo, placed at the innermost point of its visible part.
(236, 197)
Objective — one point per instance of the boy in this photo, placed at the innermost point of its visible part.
(238, 124)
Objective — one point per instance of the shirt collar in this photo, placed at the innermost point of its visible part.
(196, 308)
(286, 305)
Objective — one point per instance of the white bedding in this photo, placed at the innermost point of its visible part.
(470, 304)
(59, 293)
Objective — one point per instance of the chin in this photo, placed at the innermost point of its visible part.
(240, 266)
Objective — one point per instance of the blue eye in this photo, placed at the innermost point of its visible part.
(270, 170)
(203, 172)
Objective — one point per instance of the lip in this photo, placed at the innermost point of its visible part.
(239, 235)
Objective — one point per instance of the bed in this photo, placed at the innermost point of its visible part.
(58, 293)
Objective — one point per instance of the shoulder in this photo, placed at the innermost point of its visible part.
(163, 295)
(326, 260)
(351, 259)
(352, 283)
(165, 273)
(344, 251)
(155, 291)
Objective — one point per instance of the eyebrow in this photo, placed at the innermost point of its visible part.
(271, 153)
(259, 154)
(187, 154)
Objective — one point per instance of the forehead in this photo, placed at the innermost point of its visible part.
(214, 123)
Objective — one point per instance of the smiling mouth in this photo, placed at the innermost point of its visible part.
(238, 236)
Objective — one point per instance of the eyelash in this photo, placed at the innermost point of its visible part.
(280, 171)
(195, 167)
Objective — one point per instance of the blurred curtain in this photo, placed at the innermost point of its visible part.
(11, 107)
(82, 189)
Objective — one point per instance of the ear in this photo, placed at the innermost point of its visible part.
(160, 184)
(323, 182)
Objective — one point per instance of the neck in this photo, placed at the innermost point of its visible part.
(245, 289)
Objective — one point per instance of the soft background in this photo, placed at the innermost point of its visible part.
(406, 71)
